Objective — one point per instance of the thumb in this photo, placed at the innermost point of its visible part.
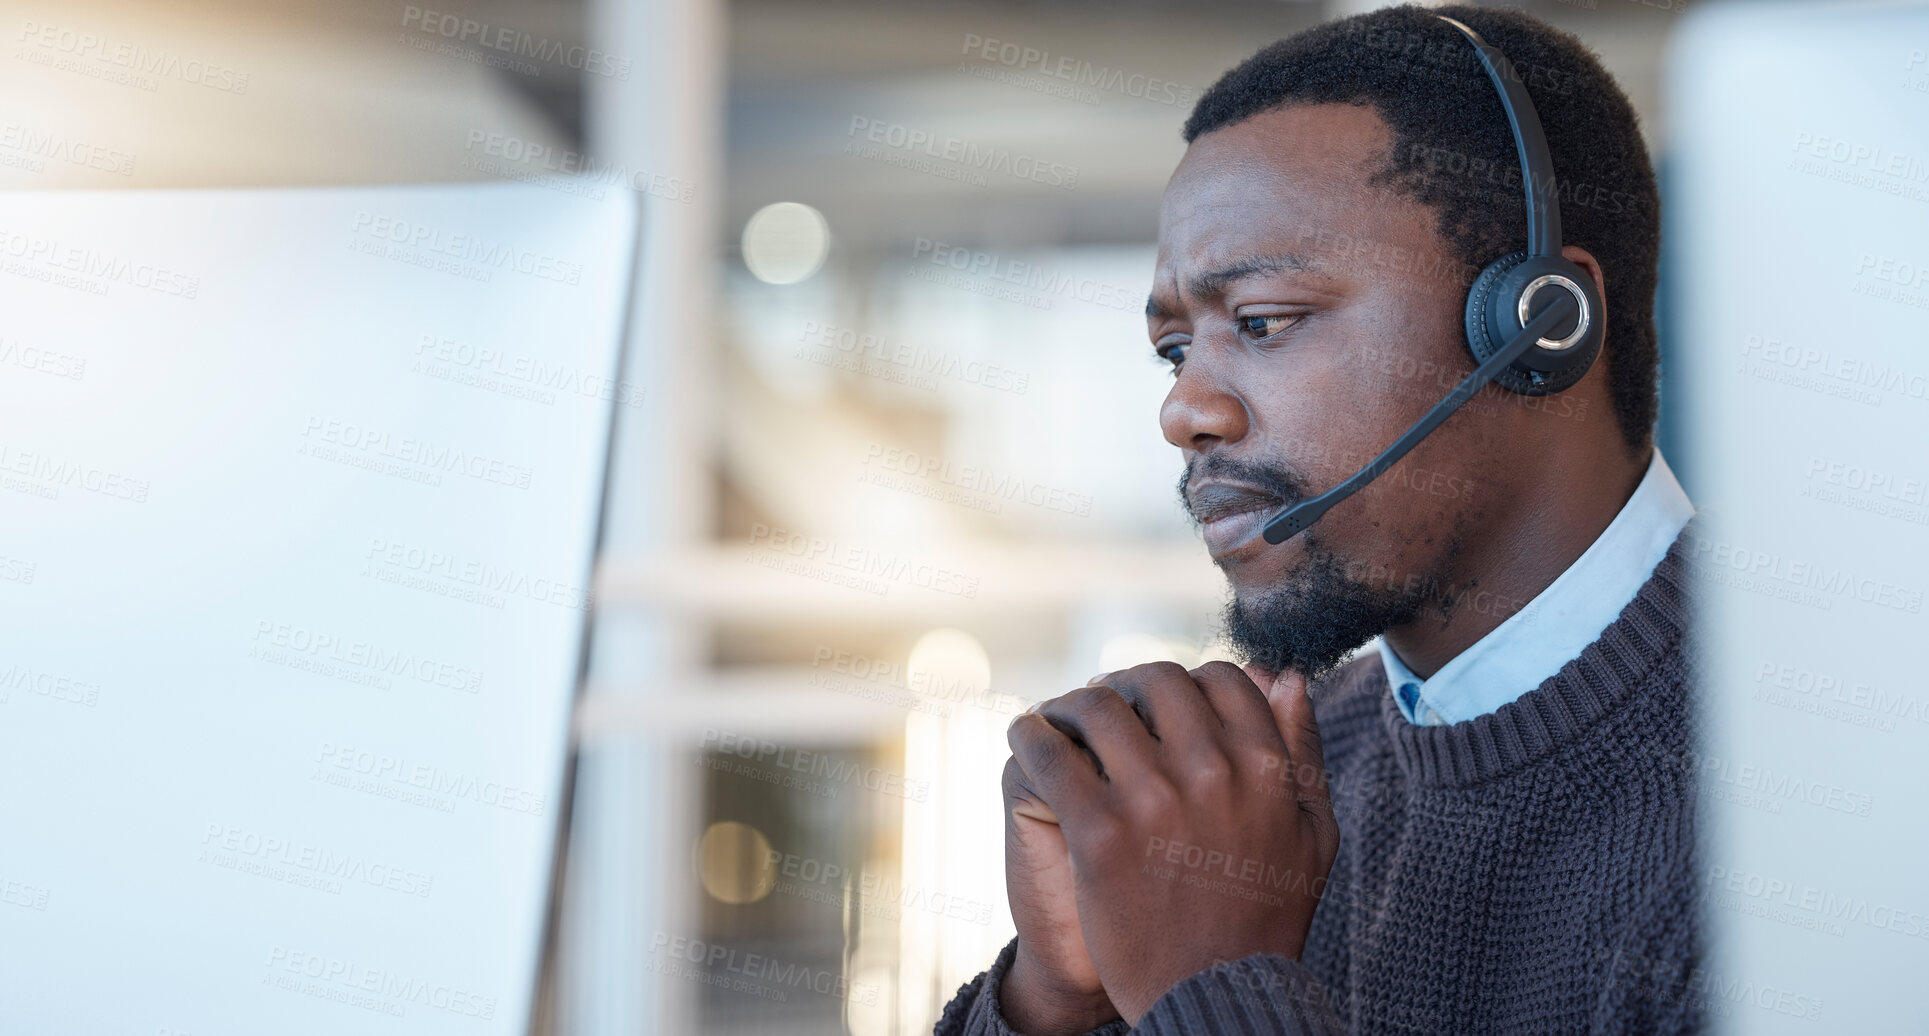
(1022, 798)
(1292, 710)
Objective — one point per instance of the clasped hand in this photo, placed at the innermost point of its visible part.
(1159, 821)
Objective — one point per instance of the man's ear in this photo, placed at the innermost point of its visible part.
(1584, 259)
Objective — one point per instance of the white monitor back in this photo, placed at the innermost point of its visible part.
(299, 493)
(1800, 215)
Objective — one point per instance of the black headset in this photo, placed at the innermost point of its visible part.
(1533, 318)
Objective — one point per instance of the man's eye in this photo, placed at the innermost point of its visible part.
(1264, 327)
(1174, 354)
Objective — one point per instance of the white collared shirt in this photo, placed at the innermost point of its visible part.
(1536, 641)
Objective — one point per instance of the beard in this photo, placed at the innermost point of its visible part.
(1313, 618)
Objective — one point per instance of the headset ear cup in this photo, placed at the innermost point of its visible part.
(1491, 318)
(1479, 322)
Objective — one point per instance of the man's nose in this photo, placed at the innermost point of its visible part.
(1200, 410)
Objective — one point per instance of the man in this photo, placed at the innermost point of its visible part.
(1484, 825)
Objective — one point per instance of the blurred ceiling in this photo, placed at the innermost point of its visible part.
(336, 97)
(801, 72)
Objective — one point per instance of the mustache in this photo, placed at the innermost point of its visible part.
(1286, 484)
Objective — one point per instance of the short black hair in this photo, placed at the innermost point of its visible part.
(1453, 150)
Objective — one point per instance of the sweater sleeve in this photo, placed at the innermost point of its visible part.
(1262, 994)
(975, 1011)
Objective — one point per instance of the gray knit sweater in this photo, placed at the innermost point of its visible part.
(1528, 871)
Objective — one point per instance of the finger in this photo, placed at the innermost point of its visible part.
(1024, 799)
(1062, 772)
(1292, 709)
(1101, 678)
(1240, 703)
(1108, 727)
(1177, 711)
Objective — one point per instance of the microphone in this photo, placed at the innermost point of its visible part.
(1296, 518)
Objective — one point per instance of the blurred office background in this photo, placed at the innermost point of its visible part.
(897, 471)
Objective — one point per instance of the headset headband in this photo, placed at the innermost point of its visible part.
(1536, 165)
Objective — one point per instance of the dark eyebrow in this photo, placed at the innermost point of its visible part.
(1215, 282)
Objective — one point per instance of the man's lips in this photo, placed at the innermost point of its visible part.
(1231, 513)
(1213, 501)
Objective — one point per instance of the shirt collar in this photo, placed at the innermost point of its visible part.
(1534, 642)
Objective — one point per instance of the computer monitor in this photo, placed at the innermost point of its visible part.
(299, 497)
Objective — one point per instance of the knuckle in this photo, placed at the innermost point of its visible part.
(1210, 772)
(1159, 671)
(1049, 704)
(1219, 668)
(1157, 799)
(1087, 698)
(1015, 736)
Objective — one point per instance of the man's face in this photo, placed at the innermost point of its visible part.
(1313, 316)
